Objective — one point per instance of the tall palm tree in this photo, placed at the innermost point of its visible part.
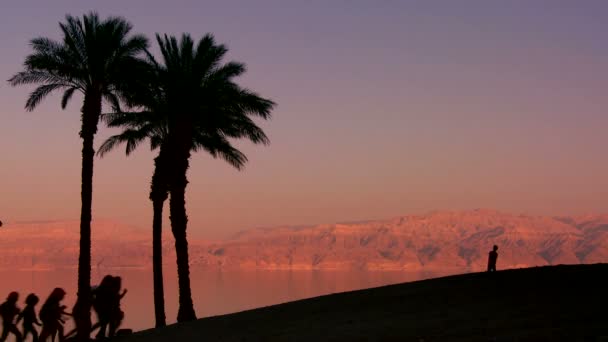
(207, 108)
(96, 58)
(149, 123)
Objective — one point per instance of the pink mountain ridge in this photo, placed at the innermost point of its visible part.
(441, 241)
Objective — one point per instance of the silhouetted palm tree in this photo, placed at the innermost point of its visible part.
(96, 58)
(206, 109)
(137, 127)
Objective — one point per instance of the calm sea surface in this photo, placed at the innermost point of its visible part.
(214, 292)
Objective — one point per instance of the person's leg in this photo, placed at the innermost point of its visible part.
(60, 332)
(53, 332)
(34, 335)
(112, 328)
(44, 333)
(4, 333)
(16, 332)
(30, 331)
(115, 323)
(103, 324)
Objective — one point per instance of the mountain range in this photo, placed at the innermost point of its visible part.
(443, 241)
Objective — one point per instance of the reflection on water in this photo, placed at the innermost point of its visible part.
(214, 292)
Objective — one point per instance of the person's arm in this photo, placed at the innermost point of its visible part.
(63, 307)
(19, 317)
(124, 292)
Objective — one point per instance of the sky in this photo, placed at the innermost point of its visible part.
(384, 108)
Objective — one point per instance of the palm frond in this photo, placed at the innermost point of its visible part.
(109, 145)
(126, 119)
(219, 147)
(40, 93)
(67, 95)
(132, 139)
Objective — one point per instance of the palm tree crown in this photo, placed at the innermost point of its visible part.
(94, 56)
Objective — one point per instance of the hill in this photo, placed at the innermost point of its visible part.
(442, 241)
(557, 303)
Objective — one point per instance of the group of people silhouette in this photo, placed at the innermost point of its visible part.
(105, 300)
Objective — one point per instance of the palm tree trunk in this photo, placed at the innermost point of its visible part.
(91, 111)
(157, 263)
(158, 195)
(179, 223)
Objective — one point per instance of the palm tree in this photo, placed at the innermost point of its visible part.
(139, 126)
(151, 124)
(207, 108)
(96, 58)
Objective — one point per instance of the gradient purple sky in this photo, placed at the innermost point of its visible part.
(384, 108)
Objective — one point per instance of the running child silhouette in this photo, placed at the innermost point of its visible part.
(8, 312)
(29, 317)
(51, 315)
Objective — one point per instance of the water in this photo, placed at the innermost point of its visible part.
(215, 292)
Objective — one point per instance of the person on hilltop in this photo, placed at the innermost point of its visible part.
(8, 312)
(29, 317)
(492, 257)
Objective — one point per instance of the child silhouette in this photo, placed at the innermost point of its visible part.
(29, 317)
(51, 315)
(8, 312)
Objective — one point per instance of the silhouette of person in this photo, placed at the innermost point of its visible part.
(29, 317)
(51, 315)
(493, 255)
(8, 312)
(107, 305)
(116, 314)
(102, 305)
(80, 314)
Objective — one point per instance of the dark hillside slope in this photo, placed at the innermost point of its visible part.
(555, 303)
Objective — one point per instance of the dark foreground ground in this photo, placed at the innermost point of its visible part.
(558, 303)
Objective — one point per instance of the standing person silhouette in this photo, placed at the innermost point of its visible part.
(492, 259)
(29, 317)
(8, 312)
